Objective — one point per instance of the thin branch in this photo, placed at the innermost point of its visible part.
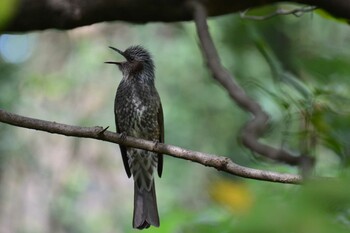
(297, 12)
(100, 133)
(258, 124)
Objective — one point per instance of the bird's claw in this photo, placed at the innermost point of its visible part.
(155, 145)
(122, 136)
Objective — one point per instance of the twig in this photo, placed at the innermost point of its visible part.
(298, 12)
(257, 125)
(210, 160)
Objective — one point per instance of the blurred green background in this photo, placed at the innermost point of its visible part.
(298, 68)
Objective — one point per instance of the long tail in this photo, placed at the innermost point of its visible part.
(145, 208)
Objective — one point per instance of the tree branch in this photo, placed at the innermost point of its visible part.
(67, 14)
(297, 12)
(255, 127)
(99, 133)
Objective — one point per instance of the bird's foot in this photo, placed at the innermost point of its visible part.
(155, 145)
(122, 136)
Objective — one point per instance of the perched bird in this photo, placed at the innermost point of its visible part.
(138, 113)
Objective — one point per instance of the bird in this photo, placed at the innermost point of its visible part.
(139, 113)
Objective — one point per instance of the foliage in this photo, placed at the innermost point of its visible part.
(317, 206)
(302, 79)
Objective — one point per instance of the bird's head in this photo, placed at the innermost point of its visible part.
(138, 61)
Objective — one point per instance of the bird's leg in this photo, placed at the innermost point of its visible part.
(155, 145)
(122, 136)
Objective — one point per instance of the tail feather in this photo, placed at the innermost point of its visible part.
(145, 208)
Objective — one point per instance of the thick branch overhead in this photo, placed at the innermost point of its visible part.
(99, 133)
(30, 15)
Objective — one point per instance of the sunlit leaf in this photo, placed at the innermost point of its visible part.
(231, 194)
(328, 16)
(7, 10)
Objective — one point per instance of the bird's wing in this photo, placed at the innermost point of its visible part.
(161, 139)
(123, 152)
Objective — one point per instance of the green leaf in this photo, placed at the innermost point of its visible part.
(326, 15)
(7, 10)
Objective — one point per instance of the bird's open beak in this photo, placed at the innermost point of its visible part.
(118, 51)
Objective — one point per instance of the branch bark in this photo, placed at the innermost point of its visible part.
(99, 133)
(258, 124)
(33, 15)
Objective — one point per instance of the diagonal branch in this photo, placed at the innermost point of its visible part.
(99, 133)
(258, 124)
